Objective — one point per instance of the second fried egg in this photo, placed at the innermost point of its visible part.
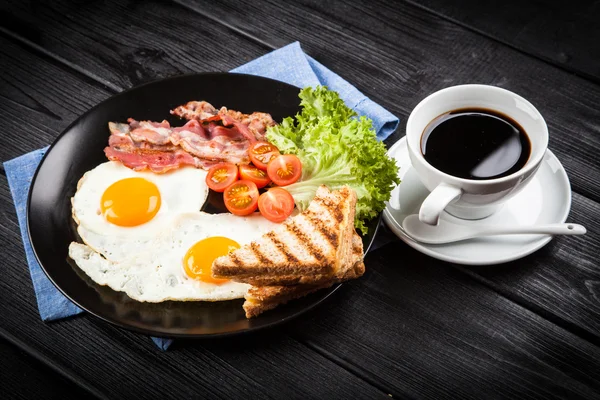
(176, 264)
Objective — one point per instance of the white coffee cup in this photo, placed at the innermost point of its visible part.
(466, 198)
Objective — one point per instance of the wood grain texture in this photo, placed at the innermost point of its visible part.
(562, 33)
(413, 327)
(423, 330)
(123, 44)
(562, 280)
(38, 99)
(23, 377)
(121, 364)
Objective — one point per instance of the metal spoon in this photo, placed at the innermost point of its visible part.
(446, 232)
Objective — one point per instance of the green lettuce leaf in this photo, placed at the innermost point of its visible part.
(336, 148)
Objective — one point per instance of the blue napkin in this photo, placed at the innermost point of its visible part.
(291, 65)
(288, 64)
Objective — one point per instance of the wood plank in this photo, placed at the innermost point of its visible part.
(38, 99)
(562, 33)
(124, 44)
(423, 330)
(23, 377)
(118, 363)
(562, 280)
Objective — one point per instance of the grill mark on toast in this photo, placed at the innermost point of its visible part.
(234, 258)
(331, 236)
(282, 247)
(301, 237)
(259, 254)
(331, 207)
(357, 246)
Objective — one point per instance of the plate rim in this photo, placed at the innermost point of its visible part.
(425, 249)
(144, 331)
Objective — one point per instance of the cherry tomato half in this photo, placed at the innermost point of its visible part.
(241, 197)
(285, 169)
(251, 173)
(276, 204)
(261, 153)
(221, 175)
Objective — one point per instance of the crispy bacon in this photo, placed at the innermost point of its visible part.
(221, 143)
(258, 122)
(160, 148)
(252, 126)
(155, 160)
(198, 110)
(192, 127)
(151, 132)
(209, 137)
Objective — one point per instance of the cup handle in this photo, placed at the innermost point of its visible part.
(437, 200)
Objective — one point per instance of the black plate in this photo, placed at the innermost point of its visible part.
(80, 148)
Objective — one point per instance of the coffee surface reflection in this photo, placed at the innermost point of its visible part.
(475, 143)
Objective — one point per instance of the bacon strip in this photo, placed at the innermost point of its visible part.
(160, 148)
(252, 126)
(209, 137)
(198, 110)
(155, 160)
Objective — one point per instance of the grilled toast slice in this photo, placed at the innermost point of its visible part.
(262, 298)
(308, 248)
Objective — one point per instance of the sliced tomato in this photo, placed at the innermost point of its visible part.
(221, 175)
(261, 153)
(241, 197)
(285, 169)
(251, 173)
(276, 204)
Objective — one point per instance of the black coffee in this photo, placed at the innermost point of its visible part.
(475, 144)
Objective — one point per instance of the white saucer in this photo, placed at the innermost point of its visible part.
(546, 199)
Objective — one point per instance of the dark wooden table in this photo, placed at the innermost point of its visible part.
(412, 327)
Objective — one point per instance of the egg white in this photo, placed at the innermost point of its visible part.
(157, 274)
(183, 190)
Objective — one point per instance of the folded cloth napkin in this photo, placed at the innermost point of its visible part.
(291, 65)
(288, 64)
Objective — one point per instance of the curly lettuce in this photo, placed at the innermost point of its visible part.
(336, 148)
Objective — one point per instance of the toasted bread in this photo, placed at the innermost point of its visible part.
(308, 248)
(294, 281)
(262, 298)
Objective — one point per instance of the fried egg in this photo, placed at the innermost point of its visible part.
(120, 211)
(177, 263)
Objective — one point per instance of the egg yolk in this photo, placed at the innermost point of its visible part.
(198, 260)
(130, 202)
